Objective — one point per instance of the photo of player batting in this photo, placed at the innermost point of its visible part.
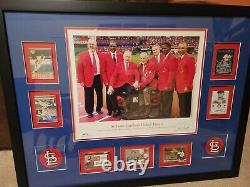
(123, 77)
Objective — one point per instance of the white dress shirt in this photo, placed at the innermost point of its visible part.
(113, 54)
(158, 58)
(96, 60)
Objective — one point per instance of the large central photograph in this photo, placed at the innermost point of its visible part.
(134, 82)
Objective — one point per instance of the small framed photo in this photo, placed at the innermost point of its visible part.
(138, 155)
(96, 160)
(220, 100)
(175, 154)
(225, 61)
(40, 62)
(46, 109)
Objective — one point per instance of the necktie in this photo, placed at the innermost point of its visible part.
(114, 57)
(94, 64)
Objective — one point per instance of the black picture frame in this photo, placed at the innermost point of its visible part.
(85, 7)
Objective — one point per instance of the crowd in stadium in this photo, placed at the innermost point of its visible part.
(138, 43)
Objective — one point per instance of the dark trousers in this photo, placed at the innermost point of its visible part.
(108, 101)
(185, 103)
(118, 91)
(166, 103)
(89, 95)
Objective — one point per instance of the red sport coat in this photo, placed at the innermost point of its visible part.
(166, 73)
(121, 77)
(109, 65)
(147, 76)
(162, 56)
(185, 73)
(85, 69)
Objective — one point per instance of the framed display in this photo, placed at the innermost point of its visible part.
(225, 61)
(143, 93)
(40, 62)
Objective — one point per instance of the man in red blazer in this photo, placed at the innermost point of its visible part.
(166, 79)
(147, 83)
(89, 69)
(157, 55)
(110, 59)
(184, 79)
(124, 79)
